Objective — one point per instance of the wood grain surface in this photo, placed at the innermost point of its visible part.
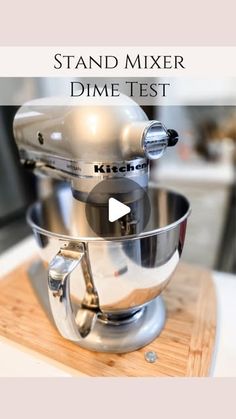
(184, 348)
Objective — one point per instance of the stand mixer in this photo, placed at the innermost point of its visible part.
(102, 279)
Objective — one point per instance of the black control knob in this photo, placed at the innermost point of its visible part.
(173, 137)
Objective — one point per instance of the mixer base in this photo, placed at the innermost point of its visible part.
(107, 337)
(129, 336)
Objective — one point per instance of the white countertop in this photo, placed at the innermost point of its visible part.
(17, 361)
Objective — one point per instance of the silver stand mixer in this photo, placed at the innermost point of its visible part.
(101, 280)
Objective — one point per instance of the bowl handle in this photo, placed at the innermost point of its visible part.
(71, 326)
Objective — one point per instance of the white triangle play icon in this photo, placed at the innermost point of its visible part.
(116, 209)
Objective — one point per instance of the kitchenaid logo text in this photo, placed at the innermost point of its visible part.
(107, 168)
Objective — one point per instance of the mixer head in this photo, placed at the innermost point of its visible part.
(88, 144)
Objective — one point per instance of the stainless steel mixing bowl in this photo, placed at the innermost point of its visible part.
(102, 279)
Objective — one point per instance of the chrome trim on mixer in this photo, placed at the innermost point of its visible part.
(84, 169)
(154, 140)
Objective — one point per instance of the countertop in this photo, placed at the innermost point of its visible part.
(16, 361)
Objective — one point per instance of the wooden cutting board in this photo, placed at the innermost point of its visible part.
(184, 348)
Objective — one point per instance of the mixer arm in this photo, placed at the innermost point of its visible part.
(71, 326)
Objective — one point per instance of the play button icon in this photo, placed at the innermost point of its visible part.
(116, 210)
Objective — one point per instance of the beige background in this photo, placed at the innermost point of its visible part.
(118, 398)
(122, 22)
